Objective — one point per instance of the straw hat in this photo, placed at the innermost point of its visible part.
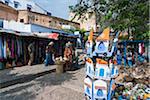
(51, 43)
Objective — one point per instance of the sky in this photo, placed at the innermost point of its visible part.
(58, 8)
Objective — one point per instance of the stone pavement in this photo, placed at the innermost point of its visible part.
(21, 74)
(66, 86)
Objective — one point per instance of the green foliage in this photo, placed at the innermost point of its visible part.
(131, 15)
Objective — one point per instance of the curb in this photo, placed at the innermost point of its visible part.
(25, 79)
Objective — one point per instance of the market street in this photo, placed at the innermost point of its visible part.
(66, 86)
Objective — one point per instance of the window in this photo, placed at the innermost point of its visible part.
(49, 14)
(101, 72)
(7, 2)
(16, 4)
(29, 7)
(22, 20)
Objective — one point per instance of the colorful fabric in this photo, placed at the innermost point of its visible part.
(5, 48)
(12, 49)
(1, 48)
(18, 48)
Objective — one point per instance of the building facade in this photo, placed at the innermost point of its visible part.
(30, 17)
(8, 13)
(28, 28)
(86, 23)
(20, 11)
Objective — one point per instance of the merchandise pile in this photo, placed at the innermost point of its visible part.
(133, 83)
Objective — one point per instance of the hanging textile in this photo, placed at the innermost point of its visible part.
(12, 48)
(8, 47)
(1, 48)
(18, 47)
(143, 48)
(5, 48)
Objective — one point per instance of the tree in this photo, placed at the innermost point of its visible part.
(130, 15)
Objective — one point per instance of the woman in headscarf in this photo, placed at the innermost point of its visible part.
(49, 54)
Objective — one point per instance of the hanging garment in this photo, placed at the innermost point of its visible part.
(5, 48)
(142, 45)
(20, 44)
(18, 48)
(12, 49)
(1, 48)
(140, 48)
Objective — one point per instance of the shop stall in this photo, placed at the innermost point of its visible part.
(14, 47)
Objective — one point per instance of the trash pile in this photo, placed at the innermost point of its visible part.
(133, 83)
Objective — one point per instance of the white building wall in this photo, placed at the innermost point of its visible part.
(23, 5)
(16, 26)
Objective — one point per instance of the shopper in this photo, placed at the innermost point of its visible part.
(49, 54)
(68, 53)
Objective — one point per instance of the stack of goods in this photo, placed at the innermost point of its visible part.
(101, 70)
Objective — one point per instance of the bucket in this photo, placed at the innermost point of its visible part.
(59, 69)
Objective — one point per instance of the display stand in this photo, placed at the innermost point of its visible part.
(100, 68)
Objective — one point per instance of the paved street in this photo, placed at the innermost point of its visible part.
(67, 86)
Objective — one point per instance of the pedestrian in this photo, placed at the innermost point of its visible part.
(49, 54)
(31, 50)
(68, 53)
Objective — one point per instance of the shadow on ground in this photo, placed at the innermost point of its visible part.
(29, 90)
